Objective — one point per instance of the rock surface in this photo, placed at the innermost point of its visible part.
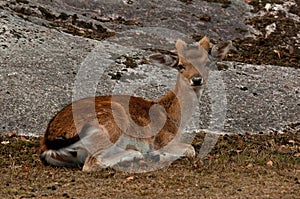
(41, 62)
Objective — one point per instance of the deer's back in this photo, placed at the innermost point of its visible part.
(99, 110)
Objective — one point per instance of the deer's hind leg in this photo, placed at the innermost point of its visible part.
(126, 149)
(73, 154)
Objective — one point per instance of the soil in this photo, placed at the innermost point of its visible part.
(240, 166)
(280, 48)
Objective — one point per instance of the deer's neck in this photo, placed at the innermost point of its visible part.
(179, 103)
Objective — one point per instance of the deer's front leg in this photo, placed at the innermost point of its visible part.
(125, 149)
(175, 150)
(117, 155)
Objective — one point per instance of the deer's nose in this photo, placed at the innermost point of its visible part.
(196, 81)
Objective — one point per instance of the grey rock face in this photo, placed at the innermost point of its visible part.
(40, 65)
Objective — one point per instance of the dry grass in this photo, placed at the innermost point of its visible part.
(239, 166)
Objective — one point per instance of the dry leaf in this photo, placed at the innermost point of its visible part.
(130, 178)
(270, 163)
(26, 169)
(23, 139)
(5, 142)
(278, 53)
(239, 151)
(291, 142)
(11, 134)
(249, 165)
(247, 44)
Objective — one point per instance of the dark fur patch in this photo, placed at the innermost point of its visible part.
(61, 142)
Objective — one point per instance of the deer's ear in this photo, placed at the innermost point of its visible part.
(219, 51)
(163, 59)
(205, 43)
(181, 47)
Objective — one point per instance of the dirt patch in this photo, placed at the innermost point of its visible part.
(266, 165)
(66, 22)
(280, 47)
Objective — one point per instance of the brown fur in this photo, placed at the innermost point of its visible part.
(63, 124)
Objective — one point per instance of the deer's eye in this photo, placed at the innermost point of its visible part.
(180, 67)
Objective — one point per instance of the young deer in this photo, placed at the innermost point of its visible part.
(121, 128)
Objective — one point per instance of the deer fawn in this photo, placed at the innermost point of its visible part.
(121, 128)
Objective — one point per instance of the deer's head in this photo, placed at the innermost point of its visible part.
(193, 61)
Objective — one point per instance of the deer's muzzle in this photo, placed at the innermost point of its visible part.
(196, 81)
